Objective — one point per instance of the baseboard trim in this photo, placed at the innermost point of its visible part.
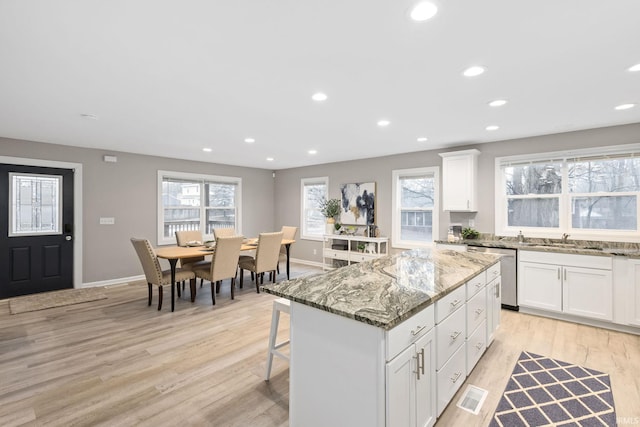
(113, 282)
(307, 262)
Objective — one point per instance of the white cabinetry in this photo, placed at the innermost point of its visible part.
(494, 305)
(633, 293)
(345, 248)
(411, 385)
(579, 285)
(459, 180)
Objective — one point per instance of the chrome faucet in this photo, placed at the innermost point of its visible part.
(565, 236)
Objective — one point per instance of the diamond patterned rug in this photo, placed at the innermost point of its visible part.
(547, 392)
(52, 299)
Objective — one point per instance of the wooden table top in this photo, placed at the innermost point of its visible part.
(177, 252)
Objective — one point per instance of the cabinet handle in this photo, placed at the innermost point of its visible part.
(418, 330)
(455, 335)
(498, 290)
(455, 377)
(479, 345)
(479, 311)
(455, 302)
(420, 363)
(479, 285)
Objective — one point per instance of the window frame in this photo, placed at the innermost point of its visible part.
(396, 213)
(13, 196)
(565, 197)
(201, 179)
(304, 235)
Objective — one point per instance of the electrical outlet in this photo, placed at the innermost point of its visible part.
(315, 252)
(107, 221)
(472, 223)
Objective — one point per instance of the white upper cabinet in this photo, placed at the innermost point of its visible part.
(459, 180)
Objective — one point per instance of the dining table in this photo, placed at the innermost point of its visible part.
(174, 253)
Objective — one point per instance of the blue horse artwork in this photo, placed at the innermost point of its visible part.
(358, 203)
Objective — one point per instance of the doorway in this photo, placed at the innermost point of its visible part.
(37, 216)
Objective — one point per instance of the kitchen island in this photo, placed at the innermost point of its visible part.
(364, 338)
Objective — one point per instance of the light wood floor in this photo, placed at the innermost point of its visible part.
(118, 362)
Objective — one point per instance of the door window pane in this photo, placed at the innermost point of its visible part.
(537, 212)
(36, 204)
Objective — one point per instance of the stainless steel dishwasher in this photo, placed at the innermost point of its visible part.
(509, 286)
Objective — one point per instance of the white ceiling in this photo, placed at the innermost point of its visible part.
(168, 78)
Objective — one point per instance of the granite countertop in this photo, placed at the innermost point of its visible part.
(580, 247)
(385, 291)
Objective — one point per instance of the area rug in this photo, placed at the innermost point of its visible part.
(53, 299)
(543, 392)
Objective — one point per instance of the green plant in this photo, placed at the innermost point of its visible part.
(470, 233)
(337, 226)
(360, 247)
(330, 208)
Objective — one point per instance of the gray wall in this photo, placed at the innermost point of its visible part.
(287, 190)
(127, 191)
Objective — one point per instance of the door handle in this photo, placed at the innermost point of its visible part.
(67, 238)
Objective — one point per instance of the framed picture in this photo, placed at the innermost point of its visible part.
(358, 203)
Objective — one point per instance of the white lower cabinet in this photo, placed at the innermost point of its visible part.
(450, 378)
(411, 391)
(476, 344)
(580, 285)
(633, 294)
(494, 305)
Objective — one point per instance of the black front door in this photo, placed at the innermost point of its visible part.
(36, 229)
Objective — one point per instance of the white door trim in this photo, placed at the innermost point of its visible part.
(77, 205)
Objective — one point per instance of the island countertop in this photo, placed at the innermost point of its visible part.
(385, 291)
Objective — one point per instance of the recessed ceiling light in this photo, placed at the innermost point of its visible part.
(249, 140)
(422, 139)
(476, 70)
(635, 67)
(270, 159)
(423, 11)
(89, 116)
(207, 150)
(492, 127)
(312, 151)
(383, 123)
(625, 106)
(319, 96)
(498, 103)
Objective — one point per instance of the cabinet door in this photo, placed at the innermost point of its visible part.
(457, 182)
(426, 384)
(633, 297)
(401, 389)
(588, 292)
(540, 286)
(493, 308)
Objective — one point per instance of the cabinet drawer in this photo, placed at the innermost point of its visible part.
(476, 311)
(450, 335)
(449, 303)
(493, 272)
(450, 378)
(407, 332)
(476, 345)
(336, 254)
(475, 284)
(361, 257)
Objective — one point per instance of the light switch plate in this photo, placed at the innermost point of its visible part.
(472, 223)
(107, 220)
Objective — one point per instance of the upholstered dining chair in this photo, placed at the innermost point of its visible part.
(288, 233)
(224, 264)
(154, 273)
(266, 259)
(224, 232)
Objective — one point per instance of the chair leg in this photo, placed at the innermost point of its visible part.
(201, 282)
(275, 319)
(178, 288)
(192, 286)
(213, 294)
(150, 290)
(241, 277)
(278, 267)
(258, 276)
(218, 286)
(160, 293)
(233, 285)
(274, 277)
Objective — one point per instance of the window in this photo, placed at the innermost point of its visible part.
(196, 202)
(313, 192)
(415, 207)
(588, 193)
(36, 204)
